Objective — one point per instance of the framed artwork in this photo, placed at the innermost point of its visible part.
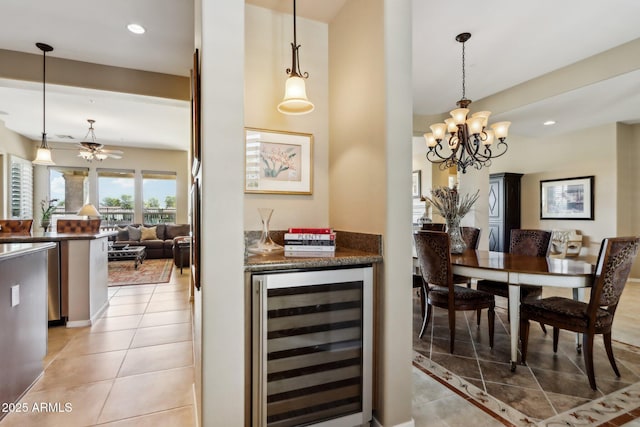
(278, 162)
(195, 115)
(195, 232)
(416, 188)
(570, 198)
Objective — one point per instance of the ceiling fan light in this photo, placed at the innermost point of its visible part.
(101, 156)
(295, 97)
(43, 157)
(85, 155)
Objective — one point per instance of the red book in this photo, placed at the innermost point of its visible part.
(310, 230)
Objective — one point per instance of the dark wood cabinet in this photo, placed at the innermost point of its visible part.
(504, 209)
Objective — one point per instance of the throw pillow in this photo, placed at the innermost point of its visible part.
(123, 234)
(134, 233)
(148, 233)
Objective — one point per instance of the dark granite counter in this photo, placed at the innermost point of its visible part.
(351, 249)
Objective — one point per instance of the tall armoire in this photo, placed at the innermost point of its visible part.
(504, 209)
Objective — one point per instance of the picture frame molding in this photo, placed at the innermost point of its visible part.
(587, 213)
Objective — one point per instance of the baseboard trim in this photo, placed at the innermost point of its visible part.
(78, 323)
(376, 423)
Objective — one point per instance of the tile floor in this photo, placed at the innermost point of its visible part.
(436, 405)
(134, 367)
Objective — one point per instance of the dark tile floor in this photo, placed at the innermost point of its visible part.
(548, 385)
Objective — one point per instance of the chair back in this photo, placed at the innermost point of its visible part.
(15, 225)
(78, 225)
(530, 242)
(612, 271)
(432, 248)
(430, 226)
(471, 237)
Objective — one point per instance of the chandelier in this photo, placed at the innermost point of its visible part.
(469, 142)
(91, 150)
(295, 100)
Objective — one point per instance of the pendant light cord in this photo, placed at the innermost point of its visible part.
(44, 76)
(463, 74)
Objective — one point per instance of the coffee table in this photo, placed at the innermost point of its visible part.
(135, 253)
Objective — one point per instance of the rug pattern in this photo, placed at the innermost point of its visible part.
(122, 273)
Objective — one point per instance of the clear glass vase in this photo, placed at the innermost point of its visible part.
(457, 244)
(265, 245)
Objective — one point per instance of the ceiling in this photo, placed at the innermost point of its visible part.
(511, 43)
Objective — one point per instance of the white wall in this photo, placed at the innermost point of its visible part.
(370, 172)
(268, 35)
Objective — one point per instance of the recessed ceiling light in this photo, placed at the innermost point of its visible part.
(549, 123)
(136, 29)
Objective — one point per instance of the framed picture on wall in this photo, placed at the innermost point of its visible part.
(569, 198)
(195, 115)
(416, 188)
(278, 162)
(195, 232)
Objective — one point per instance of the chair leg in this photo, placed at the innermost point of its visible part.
(491, 314)
(607, 346)
(423, 298)
(556, 335)
(524, 339)
(478, 312)
(588, 360)
(543, 328)
(452, 329)
(425, 320)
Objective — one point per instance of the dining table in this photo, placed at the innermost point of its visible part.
(517, 270)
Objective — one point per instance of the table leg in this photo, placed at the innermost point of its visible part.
(578, 295)
(514, 325)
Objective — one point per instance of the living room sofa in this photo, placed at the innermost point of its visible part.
(158, 239)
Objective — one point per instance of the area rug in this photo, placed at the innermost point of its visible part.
(122, 273)
(550, 391)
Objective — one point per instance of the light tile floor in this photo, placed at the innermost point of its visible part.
(134, 367)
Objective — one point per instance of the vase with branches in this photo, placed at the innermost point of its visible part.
(47, 206)
(453, 208)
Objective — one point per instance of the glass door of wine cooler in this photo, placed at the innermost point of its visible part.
(312, 348)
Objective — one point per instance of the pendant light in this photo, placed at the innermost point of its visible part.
(43, 156)
(295, 100)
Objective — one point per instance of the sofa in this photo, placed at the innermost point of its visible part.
(158, 239)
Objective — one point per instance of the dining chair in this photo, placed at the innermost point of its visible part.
(433, 226)
(471, 237)
(434, 258)
(522, 242)
(15, 225)
(595, 317)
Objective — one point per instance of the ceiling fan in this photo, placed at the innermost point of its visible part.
(91, 150)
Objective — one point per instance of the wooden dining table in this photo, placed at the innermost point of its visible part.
(519, 270)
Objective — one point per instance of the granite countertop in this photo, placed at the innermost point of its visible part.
(39, 236)
(343, 256)
(352, 249)
(10, 250)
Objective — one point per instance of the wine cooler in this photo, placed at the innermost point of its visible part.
(312, 348)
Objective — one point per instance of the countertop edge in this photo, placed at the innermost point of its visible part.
(20, 249)
(257, 263)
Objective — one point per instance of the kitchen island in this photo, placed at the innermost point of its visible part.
(79, 289)
(23, 316)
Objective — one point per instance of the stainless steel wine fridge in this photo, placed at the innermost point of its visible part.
(312, 347)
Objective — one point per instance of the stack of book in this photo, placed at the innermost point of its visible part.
(310, 242)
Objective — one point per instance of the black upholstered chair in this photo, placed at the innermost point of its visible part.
(433, 226)
(434, 256)
(595, 317)
(522, 242)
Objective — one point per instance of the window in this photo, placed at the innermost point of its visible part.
(159, 196)
(70, 187)
(116, 196)
(21, 191)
